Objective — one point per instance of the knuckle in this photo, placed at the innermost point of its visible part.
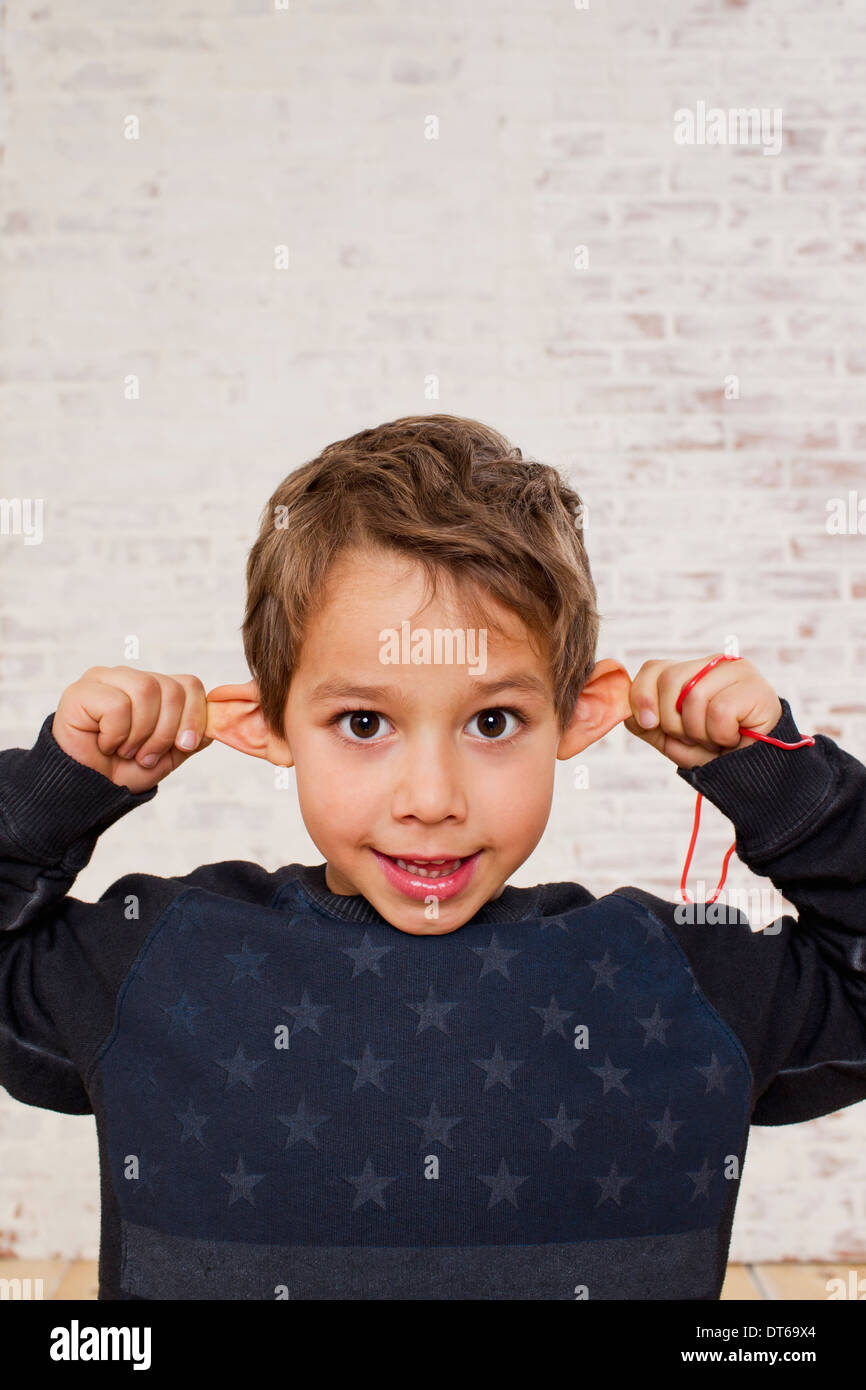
(173, 692)
(721, 709)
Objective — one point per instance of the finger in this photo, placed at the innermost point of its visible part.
(172, 698)
(94, 707)
(656, 689)
(731, 710)
(217, 714)
(190, 734)
(721, 718)
(247, 690)
(654, 737)
(643, 697)
(691, 721)
(142, 690)
(727, 693)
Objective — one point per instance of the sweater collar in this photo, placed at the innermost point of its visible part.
(512, 905)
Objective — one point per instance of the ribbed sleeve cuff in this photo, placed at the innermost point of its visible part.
(51, 801)
(769, 793)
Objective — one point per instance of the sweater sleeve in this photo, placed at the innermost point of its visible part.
(60, 958)
(794, 992)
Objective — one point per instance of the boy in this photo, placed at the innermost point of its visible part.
(393, 1075)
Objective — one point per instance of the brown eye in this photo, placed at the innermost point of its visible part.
(362, 724)
(493, 723)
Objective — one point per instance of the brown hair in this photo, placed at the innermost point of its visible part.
(454, 495)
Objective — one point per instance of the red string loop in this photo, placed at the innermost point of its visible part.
(764, 738)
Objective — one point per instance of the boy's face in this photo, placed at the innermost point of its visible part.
(425, 761)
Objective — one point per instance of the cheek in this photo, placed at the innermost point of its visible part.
(523, 816)
(332, 789)
(331, 819)
(516, 802)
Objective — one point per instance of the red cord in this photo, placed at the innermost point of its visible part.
(764, 738)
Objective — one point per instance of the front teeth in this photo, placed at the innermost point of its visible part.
(430, 873)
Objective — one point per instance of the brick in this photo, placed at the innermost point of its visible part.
(779, 214)
(787, 587)
(674, 433)
(667, 360)
(731, 323)
(709, 169)
(615, 326)
(674, 212)
(600, 399)
(783, 434)
(576, 178)
(658, 288)
(824, 177)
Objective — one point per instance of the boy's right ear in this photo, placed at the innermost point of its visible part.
(234, 717)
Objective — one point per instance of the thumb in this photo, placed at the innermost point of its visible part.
(680, 751)
(655, 736)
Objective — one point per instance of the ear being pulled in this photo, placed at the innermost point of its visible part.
(234, 717)
(602, 703)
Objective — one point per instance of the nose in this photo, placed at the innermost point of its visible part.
(429, 784)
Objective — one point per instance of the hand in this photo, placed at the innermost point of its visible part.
(115, 716)
(733, 693)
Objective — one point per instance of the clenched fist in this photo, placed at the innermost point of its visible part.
(135, 727)
(731, 696)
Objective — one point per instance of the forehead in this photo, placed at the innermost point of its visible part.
(368, 591)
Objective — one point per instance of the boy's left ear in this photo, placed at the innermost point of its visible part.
(234, 717)
(602, 703)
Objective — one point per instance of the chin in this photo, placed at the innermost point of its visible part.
(425, 928)
(409, 917)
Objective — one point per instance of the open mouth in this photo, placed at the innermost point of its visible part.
(429, 868)
(441, 877)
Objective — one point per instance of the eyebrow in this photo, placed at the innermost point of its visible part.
(341, 689)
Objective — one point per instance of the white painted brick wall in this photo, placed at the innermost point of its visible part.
(453, 257)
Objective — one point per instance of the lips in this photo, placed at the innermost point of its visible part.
(442, 877)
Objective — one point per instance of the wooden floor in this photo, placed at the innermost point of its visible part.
(77, 1279)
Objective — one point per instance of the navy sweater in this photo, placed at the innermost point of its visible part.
(294, 1099)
